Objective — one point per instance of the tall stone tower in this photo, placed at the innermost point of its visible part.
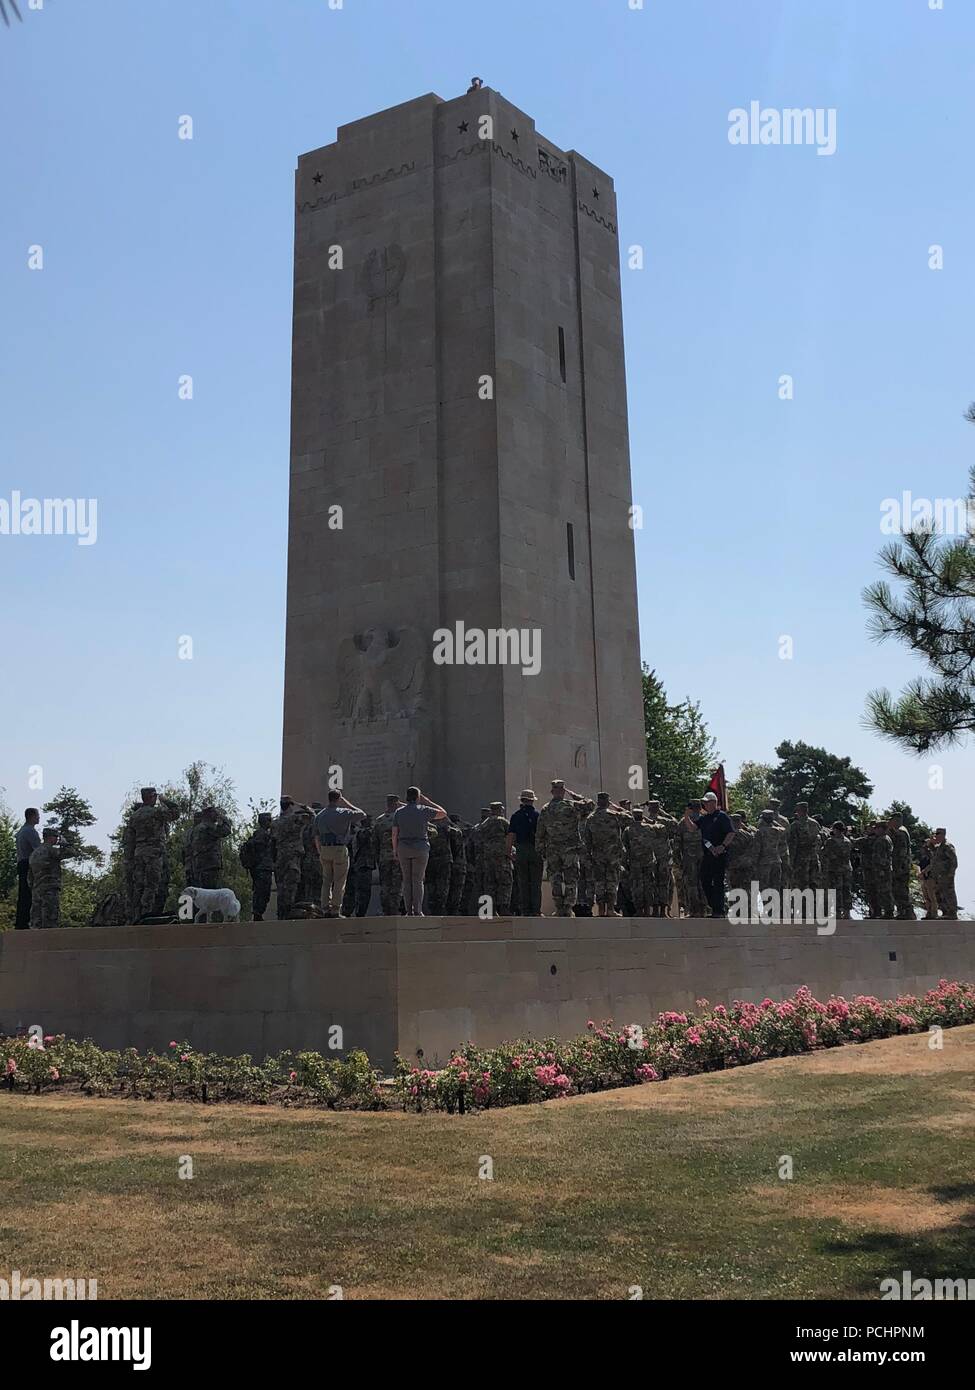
(459, 455)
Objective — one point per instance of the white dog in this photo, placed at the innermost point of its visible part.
(209, 900)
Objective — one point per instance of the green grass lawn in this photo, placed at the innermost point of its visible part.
(674, 1187)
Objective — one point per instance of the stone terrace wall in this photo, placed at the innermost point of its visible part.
(398, 983)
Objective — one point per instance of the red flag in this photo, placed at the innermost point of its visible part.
(719, 786)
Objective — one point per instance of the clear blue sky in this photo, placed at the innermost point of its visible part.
(165, 257)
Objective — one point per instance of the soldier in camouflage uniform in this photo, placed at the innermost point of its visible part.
(257, 856)
(288, 834)
(150, 822)
(741, 854)
(390, 873)
(804, 849)
(602, 836)
(638, 865)
(206, 850)
(944, 863)
(662, 830)
(44, 878)
(690, 852)
(837, 869)
(586, 891)
(875, 861)
(783, 823)
(458, 867)
(362, 862)
(496, 858)
(558, 840)
(900, 868)
(310, 883)
(128, 870)
(437, 875)
(769, 839)
(186, 852)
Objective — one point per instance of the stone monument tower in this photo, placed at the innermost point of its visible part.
(459, 466)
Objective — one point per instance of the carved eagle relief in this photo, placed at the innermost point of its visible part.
(380, 673)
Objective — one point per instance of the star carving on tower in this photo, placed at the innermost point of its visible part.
(317, 178)
(462, 127)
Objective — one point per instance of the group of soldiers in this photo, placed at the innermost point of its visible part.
(605, 855)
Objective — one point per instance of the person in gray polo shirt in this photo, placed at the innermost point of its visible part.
(333, 831)
(27, 841)
(411, 845)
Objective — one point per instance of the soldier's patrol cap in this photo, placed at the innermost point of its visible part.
(529, 795)
(654, 802)
(602, 798)
(838, 825)
(485, 811)
(940, 830)
(264, 815)
(391, 798)
(317, 806)
(804, 805)
(769, 812)
(146, 791)
(287, 801)
(496, 806)
(50, 832)
(695, 802)
(557, 782)
(637, 813)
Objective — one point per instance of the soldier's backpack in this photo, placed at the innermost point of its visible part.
(109, 912)
(247, 854)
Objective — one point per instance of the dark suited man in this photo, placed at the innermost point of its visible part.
(528, 861)
(27, 841)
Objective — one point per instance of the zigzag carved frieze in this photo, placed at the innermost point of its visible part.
(584, 207)
(354, 185)
(482, 147)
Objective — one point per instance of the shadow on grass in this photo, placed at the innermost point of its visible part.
(947, 1252)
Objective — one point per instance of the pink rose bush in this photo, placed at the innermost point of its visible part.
(520, 1072)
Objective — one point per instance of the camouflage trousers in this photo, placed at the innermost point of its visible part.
(260, 890)
(606, 870)
(945, 889)
(148, 868)
(497, 883)
(287, 875)
(437, 883)
(903, 907)
(805, 871)
(358, 891)
(563, 873)
(769, 875)
(586, 887)
(310, 883)
(690, 892)
(880, 899)
(455, 893)
(641, 882)
(841, 883)
(390, 887)
(662, 881)
(207, 876)
(45, 907)
(930, 894)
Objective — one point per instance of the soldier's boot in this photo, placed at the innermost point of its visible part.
(258, 916)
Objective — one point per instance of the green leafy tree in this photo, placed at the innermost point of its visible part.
(750, 791)
(72, 814)
(680, 748)
(833, 786)
(8, 849)
(935, 617)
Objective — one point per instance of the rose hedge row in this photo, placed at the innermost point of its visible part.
(676, 1044)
